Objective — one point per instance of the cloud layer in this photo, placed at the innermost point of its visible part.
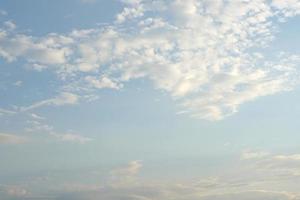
(206, 54)
(260, 177)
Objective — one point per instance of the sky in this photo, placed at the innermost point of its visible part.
(149, 100)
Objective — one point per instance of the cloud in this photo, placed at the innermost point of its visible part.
(88, 1)
(7, 112)
(276, 167)
(11, 139)
(288, 8)
(70, 137)
(64, 98)
(127, 174)
(243, 180)
(252, 195)
(208, 55)
(135, 10)
(254, 155)
(3, 12)
(10, 25)
(131, 169)
(38, 125)
(18, 83)
(37, 117)
(102, 82)
(14, 191)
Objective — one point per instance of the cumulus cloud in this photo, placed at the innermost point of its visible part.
(208, 55)
(11, 139)
(288, 8)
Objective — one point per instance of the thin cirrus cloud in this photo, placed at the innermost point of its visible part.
(38, 124)
(208, 55)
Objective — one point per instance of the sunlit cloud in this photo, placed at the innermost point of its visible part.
(208, 55)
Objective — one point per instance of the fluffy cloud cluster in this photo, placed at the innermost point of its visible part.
(205, 54)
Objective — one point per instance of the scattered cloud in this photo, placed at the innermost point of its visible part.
(10, 25)
(6, 112)
(38, 125)
(70, 137)
(126, 175)
(88, 1)
(63, 98)
(250, 179)
(3, 12)
(37, 117)
(18, 83)
(102, 82)
(14, 191)
(208, 55)
(254, 155)
(11, 139)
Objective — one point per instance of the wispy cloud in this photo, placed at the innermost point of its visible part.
(38, 125)
(5, 111)
(64, 98)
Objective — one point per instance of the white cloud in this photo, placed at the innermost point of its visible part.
(295, 157)
(288, 8)
(18, 83)
(11, 139)
(37, 117)
(248, 179)
(88, 1)
(38, 125)
(126, 175)
(102, 82)
(134, 11)
(200, 52)
(6, 112)
(10, 25)
(34, 50)
(254, 155)
(65, 98)
(70, 137)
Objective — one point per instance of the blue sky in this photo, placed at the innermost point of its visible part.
(149, 100)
